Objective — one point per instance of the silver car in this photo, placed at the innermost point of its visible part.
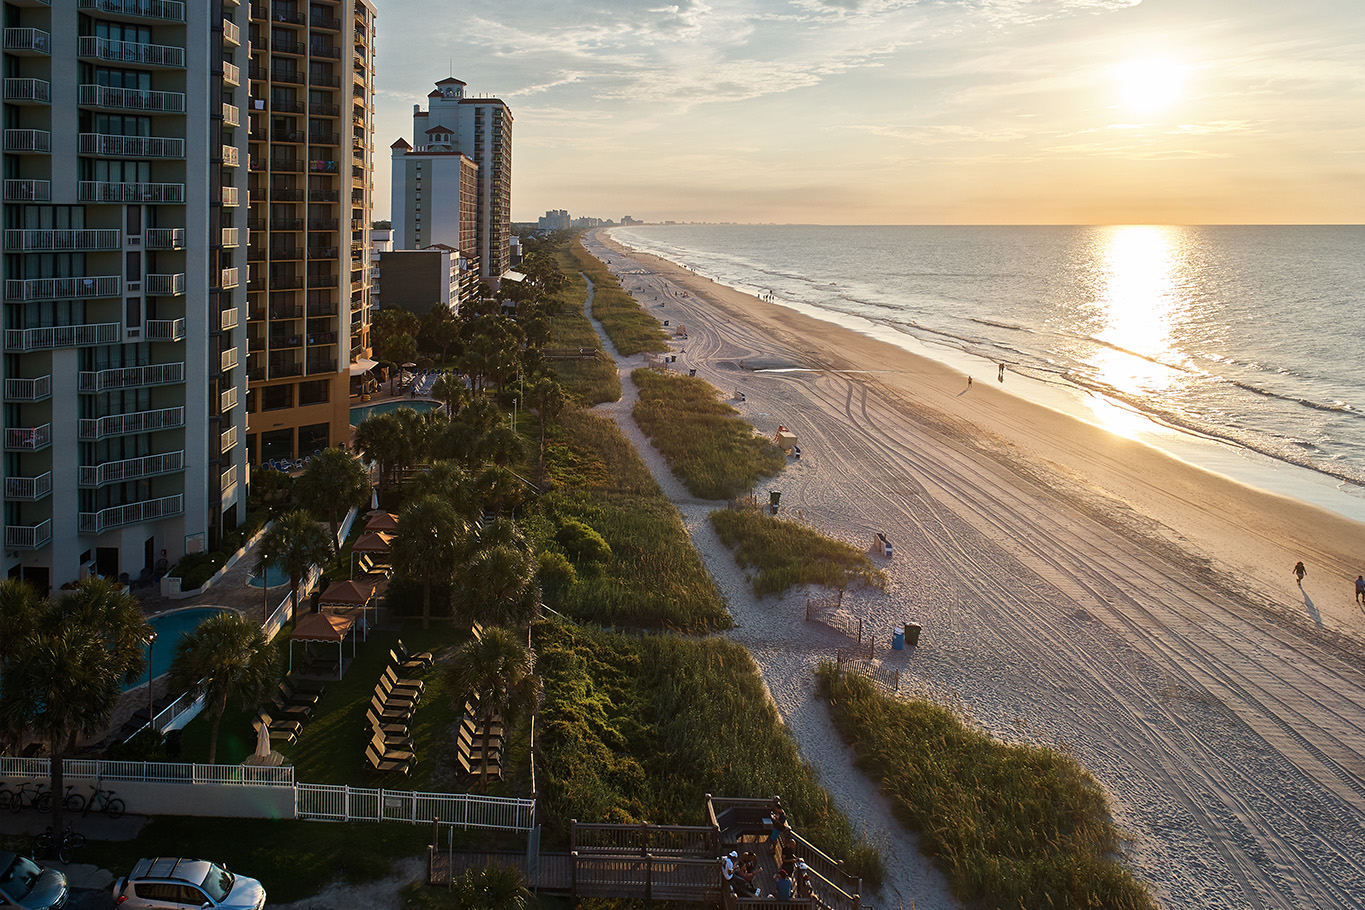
(28, 886)
(169, 883)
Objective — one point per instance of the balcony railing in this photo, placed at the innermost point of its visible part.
(119, 516)
(134, 52)
(39, 389)
(231, 115)
(36, 90)
(131, 469)
(28, 141)
(62, 336)
(131, 377)
(228, 279)
(227, 320)
(232, 33)
(228, 479)
(229, 237)
(21, 241)
(171, 285)
(18, 40)
(227, 400)
(28, 191)
(28, 439)
(232, 75)
(230, 195)
(227, 360)
(28, 489)
(109, 191)
(131, 146)
(63, 288)
(164, 238)
(227, 439)
(164, 330)
(28, 537)
(95, 429)
(131, 99)
(229, 155)
(166, 10)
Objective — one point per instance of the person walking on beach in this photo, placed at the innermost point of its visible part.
(1360, 589)
(1300, 571)
(969, 382)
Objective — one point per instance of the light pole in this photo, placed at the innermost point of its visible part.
(151, 678)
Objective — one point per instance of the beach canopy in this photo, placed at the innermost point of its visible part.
(326, 628)
(384, 521)
(374, 542)
(346, 594)
(363, 366)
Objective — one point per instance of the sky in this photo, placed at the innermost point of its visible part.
(903, 111)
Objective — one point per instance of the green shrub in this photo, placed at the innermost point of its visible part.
(194, 569)
(787, 553)
(557, 574)
(404, 597)
(583, 545)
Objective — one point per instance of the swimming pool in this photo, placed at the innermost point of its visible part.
(170, 628)
(384, 407)
(274, 575)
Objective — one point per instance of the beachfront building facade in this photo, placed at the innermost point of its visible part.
(453, 184)
(311, 126)
(417, 280)
(124, 161)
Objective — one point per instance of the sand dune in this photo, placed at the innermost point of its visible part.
(1075, 588)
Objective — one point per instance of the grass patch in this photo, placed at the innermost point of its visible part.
(709, 448)
(1009, 825)
(631, 329)
(788, 554)
(641, 728)
(590, 382)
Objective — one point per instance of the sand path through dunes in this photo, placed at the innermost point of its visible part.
(1093, 594)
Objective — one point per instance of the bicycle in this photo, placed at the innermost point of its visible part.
(47, 844)
(104, 801)
(34, 795)
(5, 797)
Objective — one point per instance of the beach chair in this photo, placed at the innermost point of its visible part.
(424, 658)
(377, 743)
(394, 699)
(377, 762)
(389, 713)
(389, 729)
(402, 685)
(295, 696)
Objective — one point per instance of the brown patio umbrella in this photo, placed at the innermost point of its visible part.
(373, 542)
(383, 521)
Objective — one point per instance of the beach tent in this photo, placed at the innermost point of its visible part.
(383, 521)
(375, 543)
(346, 598)
(326, 628)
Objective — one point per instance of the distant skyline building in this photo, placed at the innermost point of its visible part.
(555, 220)
(452, 184)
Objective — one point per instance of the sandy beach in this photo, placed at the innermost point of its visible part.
(1074, 588)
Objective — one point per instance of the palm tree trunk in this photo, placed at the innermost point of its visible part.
(483, 759)
(57, 779)
(426, 603)
(218, 711)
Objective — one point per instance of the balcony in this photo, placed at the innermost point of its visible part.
(28, 191)
(330, 51)
(163, 330)
(231, 115)
(154, 374)
(39, 389)
(28, 489)
(228, 439)
(283, 369)
(231, 33)
(28, 42)
(227, 400)
(288, 77)
(325, 79)
(20, 241)
(134, 513)
(129, 99)
(228, 154)
(324, 110)
(28, 537)
(228, 238)
(230, 196)
(287, 165)
(34, 141)
(95, 429)
(286, 282)
(169, 285)
(164, 10)
(95, 476)
(322, 252)
(133, 52)
(107, 146)
(293, 48)
(286, 194)
(227, 360)
(318, 365)
(228, 479)
(109, 191)
(324, 196)
(63, 288)
(28, 439)
(227, 279)
(285, 254)
(324, 138)
(285, 341)
(28, 91)
(227, 319)
(164, 238)
(232, 75)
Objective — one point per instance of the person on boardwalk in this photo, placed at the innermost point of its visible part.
(1360, 589)
(727, 869)
(1300, 571)
(779, 819)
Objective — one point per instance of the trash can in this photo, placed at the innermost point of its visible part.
(665, 322)
(898, 639)
(691, 372)
(912, 634)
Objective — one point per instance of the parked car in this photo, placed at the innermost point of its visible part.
(171, 883)
(28, 886)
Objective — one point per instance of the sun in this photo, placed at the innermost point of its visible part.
(1149, 86)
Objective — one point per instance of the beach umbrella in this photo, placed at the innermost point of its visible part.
(373, 542)
(383, 521)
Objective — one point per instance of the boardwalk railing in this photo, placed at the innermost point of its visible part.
(647, 877)
(618, 840)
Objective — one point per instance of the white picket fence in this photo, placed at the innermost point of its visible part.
(316, 802)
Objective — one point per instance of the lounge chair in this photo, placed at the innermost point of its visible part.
(389, 713)
(392, 754)
(423, 657)
(400, 683)
(383, 765)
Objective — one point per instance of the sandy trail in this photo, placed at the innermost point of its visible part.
(1074, 589)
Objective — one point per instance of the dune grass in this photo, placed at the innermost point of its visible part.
(1009, 825)
(787, 554)
(708, 447)
(630, 328)
(590, 382)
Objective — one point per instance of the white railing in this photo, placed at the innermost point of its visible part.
(227, 400)
(228, 279)
(28, 190)
(28, 537)
(230, 155)
(59, 288)
(112, 146)
(231, 115)
(228, 319)
(28, 488)
(28, 141)
(170, 10)
(62, 336)
(168, 285)
(231, 32)
(131, 469)
(231, 75)
(228, 479)
(132, 377)
(110, 191)
(28, 439)
(63, 241)
(28, 39)
(230, 237)
(164, 238)
(97, 428)
(38, 389)
(227, 439)
(133, 513)
(131, 99)
(227, 360)
(17, 89)
(131, 52)
(164, 330)
(229, 195)
(176, 773)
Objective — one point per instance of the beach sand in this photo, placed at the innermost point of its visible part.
(1074, 588)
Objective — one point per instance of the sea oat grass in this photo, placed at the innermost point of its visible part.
(787, 554)
(630, 328)
(589, 381)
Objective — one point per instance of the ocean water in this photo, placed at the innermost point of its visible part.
(1239, 348)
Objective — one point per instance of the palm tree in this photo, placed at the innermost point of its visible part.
(20, 607)
(226, 658)
(64, 678)
(452, 390)
(498, 585)
(426, 545)
(447, 481)
(296, 543)
(380, 440)
(332, 483)
(501, 445)
(494, 887)
(494, 671)
(548, 399)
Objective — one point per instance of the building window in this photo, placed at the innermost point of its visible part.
(277, 444)
(313, 439)
(276, 397)
(314, 392)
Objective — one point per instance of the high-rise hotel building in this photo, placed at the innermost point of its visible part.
(453, 184)
(311, 127)
(124, 282)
